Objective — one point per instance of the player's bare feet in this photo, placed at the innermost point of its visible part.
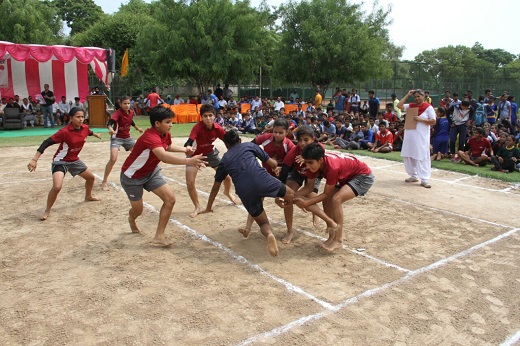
(332, 246)
(315, 220)
(288, 237)
(332, 234)
(133, 225)
(196, 212)
(45, 215)
(162, 241)
(244, 231)
(231, 197)
(91, 199)
(104, 186)
(272, 247)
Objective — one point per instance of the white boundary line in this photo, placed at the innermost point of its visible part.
(285, 328)
(235, 256)
(309, 234)
(513, 339)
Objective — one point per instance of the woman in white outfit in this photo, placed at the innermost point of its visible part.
(416, 143)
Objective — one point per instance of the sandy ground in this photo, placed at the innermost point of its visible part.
(419, 267)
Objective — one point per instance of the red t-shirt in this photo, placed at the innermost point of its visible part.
(71, 142)
(340, 169)
(385, 137)
(290, 160)
(205, 137)
(142, 161)
(391, 117)
(154, 99)
(477, 148)
(277, 152)
(123, 123)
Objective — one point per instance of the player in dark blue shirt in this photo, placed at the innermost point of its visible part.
(252, 183)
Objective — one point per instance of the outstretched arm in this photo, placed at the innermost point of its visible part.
(212, 195)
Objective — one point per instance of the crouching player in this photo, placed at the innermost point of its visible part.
(346, 177)
(140, 170)
(252, 183)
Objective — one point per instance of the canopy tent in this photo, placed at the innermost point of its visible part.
(25, 68)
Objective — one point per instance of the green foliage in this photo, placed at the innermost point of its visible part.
(332, 40)
(78, 14)
(498, 57)
(29, 21)
(205, 41)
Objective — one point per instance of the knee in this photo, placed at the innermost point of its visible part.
(169, 201)
(56, 188)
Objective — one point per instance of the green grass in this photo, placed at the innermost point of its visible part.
(447, 165)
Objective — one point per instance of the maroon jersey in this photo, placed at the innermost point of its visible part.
(290, 160)
(142, 161)
(277, 152)
(205, 137)
(71, 142)
(123, 123)
(477, 148)
(340, 169)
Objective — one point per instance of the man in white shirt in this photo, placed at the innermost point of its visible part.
(222, 103)
(256, 102)
(178, 100)
(278, 104)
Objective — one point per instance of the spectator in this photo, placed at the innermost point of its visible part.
(28, 112)
(384, 140)
(458, 116)
(47, 108)
(373, 104)
(479, 149)
(507, 157)
(63, 111)
(441, 135)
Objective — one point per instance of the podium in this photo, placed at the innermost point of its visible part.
(97, 110)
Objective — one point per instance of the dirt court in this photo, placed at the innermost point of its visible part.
(419, 267)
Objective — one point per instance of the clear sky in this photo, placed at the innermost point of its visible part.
(420, 26)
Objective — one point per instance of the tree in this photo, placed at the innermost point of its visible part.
(29, 21)
(332, 40)
(78, 14)
(498, 57)
(205, 41)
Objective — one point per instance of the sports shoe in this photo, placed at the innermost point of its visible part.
(411, 180)
(426, 185)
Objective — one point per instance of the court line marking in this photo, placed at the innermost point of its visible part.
(285, 328)
(307, 233)
(241, 259)
(513, 339)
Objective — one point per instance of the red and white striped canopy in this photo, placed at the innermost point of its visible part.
(25, 68)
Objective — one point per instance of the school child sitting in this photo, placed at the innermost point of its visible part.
(507, 157)
(384, 140)
(252, 183)
(346, 177)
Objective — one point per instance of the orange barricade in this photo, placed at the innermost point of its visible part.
(244, 107)
(184, 113)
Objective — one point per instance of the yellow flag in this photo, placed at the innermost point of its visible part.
(124, 64)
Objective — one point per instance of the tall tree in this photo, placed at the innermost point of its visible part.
(30, 21)
(332, 40)
(206, 41)
(498, 57)
(78, 14)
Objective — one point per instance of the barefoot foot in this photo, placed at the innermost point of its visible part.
(195, 212)
(133, 225)
(231, 197)
(332, 246)
(104, 186)
(244, 231)
(288, 237)
(161, 241)
(272, 247)
(91, 199)
(45, 215)
(332, 233)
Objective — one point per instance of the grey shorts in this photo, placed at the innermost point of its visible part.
(212, 158)
(74, 168)
(360, 184)
(134, 187)
(127, 143)
(297, 177)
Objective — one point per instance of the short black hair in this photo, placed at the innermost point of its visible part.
(207, 108)
(159, 113)
(74, 110)
(281, 122)
(231, 138)
(306, 130)
(313, 151)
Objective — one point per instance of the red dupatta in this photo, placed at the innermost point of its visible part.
(422, 106)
